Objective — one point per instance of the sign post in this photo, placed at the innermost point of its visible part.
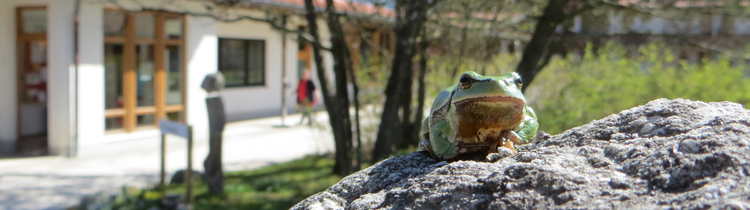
(184, 131)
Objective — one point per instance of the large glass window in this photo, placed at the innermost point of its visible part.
(34, 21)
(242, 62)
(173, 67)
(144, 64)
(144, 75)
(113, 73)
(145, 25)
(114, 23)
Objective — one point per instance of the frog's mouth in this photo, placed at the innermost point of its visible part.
(491, 99)
(491, 109)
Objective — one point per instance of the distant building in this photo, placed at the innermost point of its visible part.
(125, 66)
(633, 29)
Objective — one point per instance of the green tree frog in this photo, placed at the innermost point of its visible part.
(478, 115)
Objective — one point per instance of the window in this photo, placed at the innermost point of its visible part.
(143, 69)
(242, 62)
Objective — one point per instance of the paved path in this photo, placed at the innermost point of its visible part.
(59, 182)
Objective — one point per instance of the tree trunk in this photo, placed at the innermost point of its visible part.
(341, 66)
(391, 129)
(355, 90)
(537, 50)
(417, 124)
(338, 119)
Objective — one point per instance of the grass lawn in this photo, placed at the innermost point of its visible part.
(278, 186)
(274, 187)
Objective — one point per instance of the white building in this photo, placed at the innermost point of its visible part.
(135, 65)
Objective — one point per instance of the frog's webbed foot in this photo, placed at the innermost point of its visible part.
(507, 139)
(502, 146)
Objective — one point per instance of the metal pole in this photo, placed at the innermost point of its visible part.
(189, 173)
(283, 71)
(73, 141)
(163, 172)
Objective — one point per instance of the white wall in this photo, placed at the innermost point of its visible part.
(616, 22)
(59, 85)
(742, 26)
(8, 82)
(325, 37)
(91, 75)
(202, 60)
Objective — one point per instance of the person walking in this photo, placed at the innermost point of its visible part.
(305, 97)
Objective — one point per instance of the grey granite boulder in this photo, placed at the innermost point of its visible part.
(667, 154)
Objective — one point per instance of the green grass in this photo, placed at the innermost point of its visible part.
(274, 187)
(278, 186)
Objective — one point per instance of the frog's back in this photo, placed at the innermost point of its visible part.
(442, 98)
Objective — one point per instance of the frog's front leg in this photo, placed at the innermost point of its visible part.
(511, 139)
(528, 127)
(442, 141)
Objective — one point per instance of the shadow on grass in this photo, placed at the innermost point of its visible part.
(302, 165)
(278, 186)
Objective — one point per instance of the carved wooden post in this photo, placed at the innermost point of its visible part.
(216, 121)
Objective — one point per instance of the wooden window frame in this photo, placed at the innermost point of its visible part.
(246, 49)
(130, 110)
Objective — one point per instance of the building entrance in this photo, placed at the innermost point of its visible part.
(31, 35)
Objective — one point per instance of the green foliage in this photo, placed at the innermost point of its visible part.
(372, 78)
(573, 91)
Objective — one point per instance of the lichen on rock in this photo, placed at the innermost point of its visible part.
(665, 154)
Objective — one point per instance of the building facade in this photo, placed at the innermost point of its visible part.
(118, 69)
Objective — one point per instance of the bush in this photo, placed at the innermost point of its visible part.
(576, 89)
(572, 91)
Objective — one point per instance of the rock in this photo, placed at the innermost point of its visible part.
(696, 156)
(179, 176)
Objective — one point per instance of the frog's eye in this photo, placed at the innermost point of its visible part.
(519, 82)
(465, 81)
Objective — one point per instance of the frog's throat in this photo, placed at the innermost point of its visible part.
(481, 118)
